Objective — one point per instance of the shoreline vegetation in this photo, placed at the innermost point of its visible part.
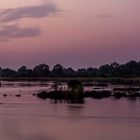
(114, 73)
(127, 75)
(43, 71)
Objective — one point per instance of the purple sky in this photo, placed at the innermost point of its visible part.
(79, 33)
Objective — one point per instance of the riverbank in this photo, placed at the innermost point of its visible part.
(113, 80)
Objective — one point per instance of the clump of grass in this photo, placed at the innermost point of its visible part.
(74, 94)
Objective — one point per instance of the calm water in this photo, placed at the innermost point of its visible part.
(30, 118)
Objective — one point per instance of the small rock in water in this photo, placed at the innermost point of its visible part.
(4, 95)
(18, 95)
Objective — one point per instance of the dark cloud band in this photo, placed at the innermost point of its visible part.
(15, 14)
(8, 32)
(14, 31)
(104, 16)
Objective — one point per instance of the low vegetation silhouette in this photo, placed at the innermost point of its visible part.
(74, 93)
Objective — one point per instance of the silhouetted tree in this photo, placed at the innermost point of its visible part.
(24, 72)
(7, 73)
(92, 72)
(130, 69)
(41, 70)
(105, 71)
(81, 72)
(115, 68)
(58, 71)
(69, 72)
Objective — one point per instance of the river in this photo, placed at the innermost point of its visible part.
(30, 118)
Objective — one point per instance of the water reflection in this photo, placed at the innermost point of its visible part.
(28, 128)
(70, 101)
(31, 118)
(132, 99)
(96, 119)
(75, 111)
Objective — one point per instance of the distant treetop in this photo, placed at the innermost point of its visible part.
(130, 69)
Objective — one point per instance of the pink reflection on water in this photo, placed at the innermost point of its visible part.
(31, 118)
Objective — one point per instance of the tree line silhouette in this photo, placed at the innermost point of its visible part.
(130, 69)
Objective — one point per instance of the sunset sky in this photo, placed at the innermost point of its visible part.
(75, 33)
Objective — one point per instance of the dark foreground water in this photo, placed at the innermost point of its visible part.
(30, 118)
